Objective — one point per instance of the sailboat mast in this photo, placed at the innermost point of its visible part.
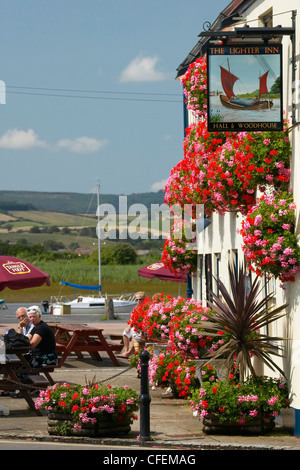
(231, 77)
(99, 240)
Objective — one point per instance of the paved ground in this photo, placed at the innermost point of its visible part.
(171, 421)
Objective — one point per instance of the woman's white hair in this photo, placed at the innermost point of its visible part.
(34, 309)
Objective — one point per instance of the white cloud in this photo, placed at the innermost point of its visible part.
(17, 140)
(142, 69)
(81, 144)
(158, 186)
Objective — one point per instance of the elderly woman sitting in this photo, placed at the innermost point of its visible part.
(41, 339)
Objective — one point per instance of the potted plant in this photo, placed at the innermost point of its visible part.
(92, 410)
(250, 406)
(227, 168)
(242, 316)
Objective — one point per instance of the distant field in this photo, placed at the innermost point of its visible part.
(66, 239)
(17, 227)
(6, 218)
(56, 218)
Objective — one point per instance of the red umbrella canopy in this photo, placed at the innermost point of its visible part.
(18, 274)
(158, 270)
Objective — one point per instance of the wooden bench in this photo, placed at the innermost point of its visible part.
(61, 349)
(9, 385)
(92, 347)
(45, 370)
(18, 375)
(115, 346)
(19, 366)
(115, 337)
(84, 338)
(38, 381)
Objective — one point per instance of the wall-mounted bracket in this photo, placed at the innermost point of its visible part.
(264, 35)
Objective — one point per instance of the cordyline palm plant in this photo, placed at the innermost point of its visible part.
(241, 316)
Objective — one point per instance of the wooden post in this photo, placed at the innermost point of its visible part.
(109, 309)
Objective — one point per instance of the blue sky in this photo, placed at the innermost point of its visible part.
(91, 94)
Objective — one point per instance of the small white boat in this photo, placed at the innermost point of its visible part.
(97, 305)
(90, 305)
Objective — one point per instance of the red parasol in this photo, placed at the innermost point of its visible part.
(18, 274)
(158, 270)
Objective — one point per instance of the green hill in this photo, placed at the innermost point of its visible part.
(62, 220)
(72, 203)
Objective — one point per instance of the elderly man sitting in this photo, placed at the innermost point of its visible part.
(24, 325)
(41, 339)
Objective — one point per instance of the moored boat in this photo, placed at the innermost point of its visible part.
(90, 304)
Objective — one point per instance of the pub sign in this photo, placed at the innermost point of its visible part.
(244, 88)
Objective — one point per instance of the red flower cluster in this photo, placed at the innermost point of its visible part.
(168, 370)
(269, 241)
(174, 320)
(195, 87)
(180, 252)
(227, 168)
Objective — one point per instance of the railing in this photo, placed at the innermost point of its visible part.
(58, 300)
(63, 299)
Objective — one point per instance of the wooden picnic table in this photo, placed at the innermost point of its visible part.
(18, 375)
(82, 338)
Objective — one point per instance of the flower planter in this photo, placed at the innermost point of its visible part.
(250, 407)
(59, 424)
(258, 425)
(110, 427)
(63, 424)
(94, 410)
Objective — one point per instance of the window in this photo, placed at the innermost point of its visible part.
(208, 277)
(217, 271)
(266, 19)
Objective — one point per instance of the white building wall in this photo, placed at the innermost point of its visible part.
(288, 327)
(221, 240)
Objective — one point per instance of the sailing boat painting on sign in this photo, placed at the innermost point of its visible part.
(230, 100)
(244, 88)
